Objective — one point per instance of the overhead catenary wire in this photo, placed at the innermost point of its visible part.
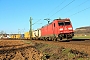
(36, 21)
(57, 6)
(63, 7)
(51, 11)
(58, 10)
(80, 11)
(74, 7)
(77, 6)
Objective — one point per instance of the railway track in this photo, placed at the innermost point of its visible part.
(73, 41)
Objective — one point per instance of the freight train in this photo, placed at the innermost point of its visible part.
(57, 30)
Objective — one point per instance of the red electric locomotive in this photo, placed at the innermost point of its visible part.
(58, 29)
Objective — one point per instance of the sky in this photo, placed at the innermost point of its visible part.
(15, 14)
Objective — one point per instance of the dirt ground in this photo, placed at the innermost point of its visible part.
(18, 50)
(41, 50)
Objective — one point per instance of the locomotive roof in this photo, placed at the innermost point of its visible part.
(67, 19)
(62, 19)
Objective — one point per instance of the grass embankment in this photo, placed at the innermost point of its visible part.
(53, 52)
(56, 52)
(81, 37)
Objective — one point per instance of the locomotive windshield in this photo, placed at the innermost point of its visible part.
(60, 23)
(67, 23)
(63, 23)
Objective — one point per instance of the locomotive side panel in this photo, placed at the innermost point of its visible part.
(46, 31)
(50, 30)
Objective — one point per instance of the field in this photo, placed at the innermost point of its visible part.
(53, 52)
(81, 37)
(36, 50)
(18, 50)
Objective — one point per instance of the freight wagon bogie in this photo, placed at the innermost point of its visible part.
(49, 38)
(66, 35)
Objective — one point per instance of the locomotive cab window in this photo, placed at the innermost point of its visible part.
(67, 23)
(60, 23)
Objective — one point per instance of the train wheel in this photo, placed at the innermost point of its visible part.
(46, 39)
(60, 38)
(50, 39)
(55, 39)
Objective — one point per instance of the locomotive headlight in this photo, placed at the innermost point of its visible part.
(61, 29)
(70, 28)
